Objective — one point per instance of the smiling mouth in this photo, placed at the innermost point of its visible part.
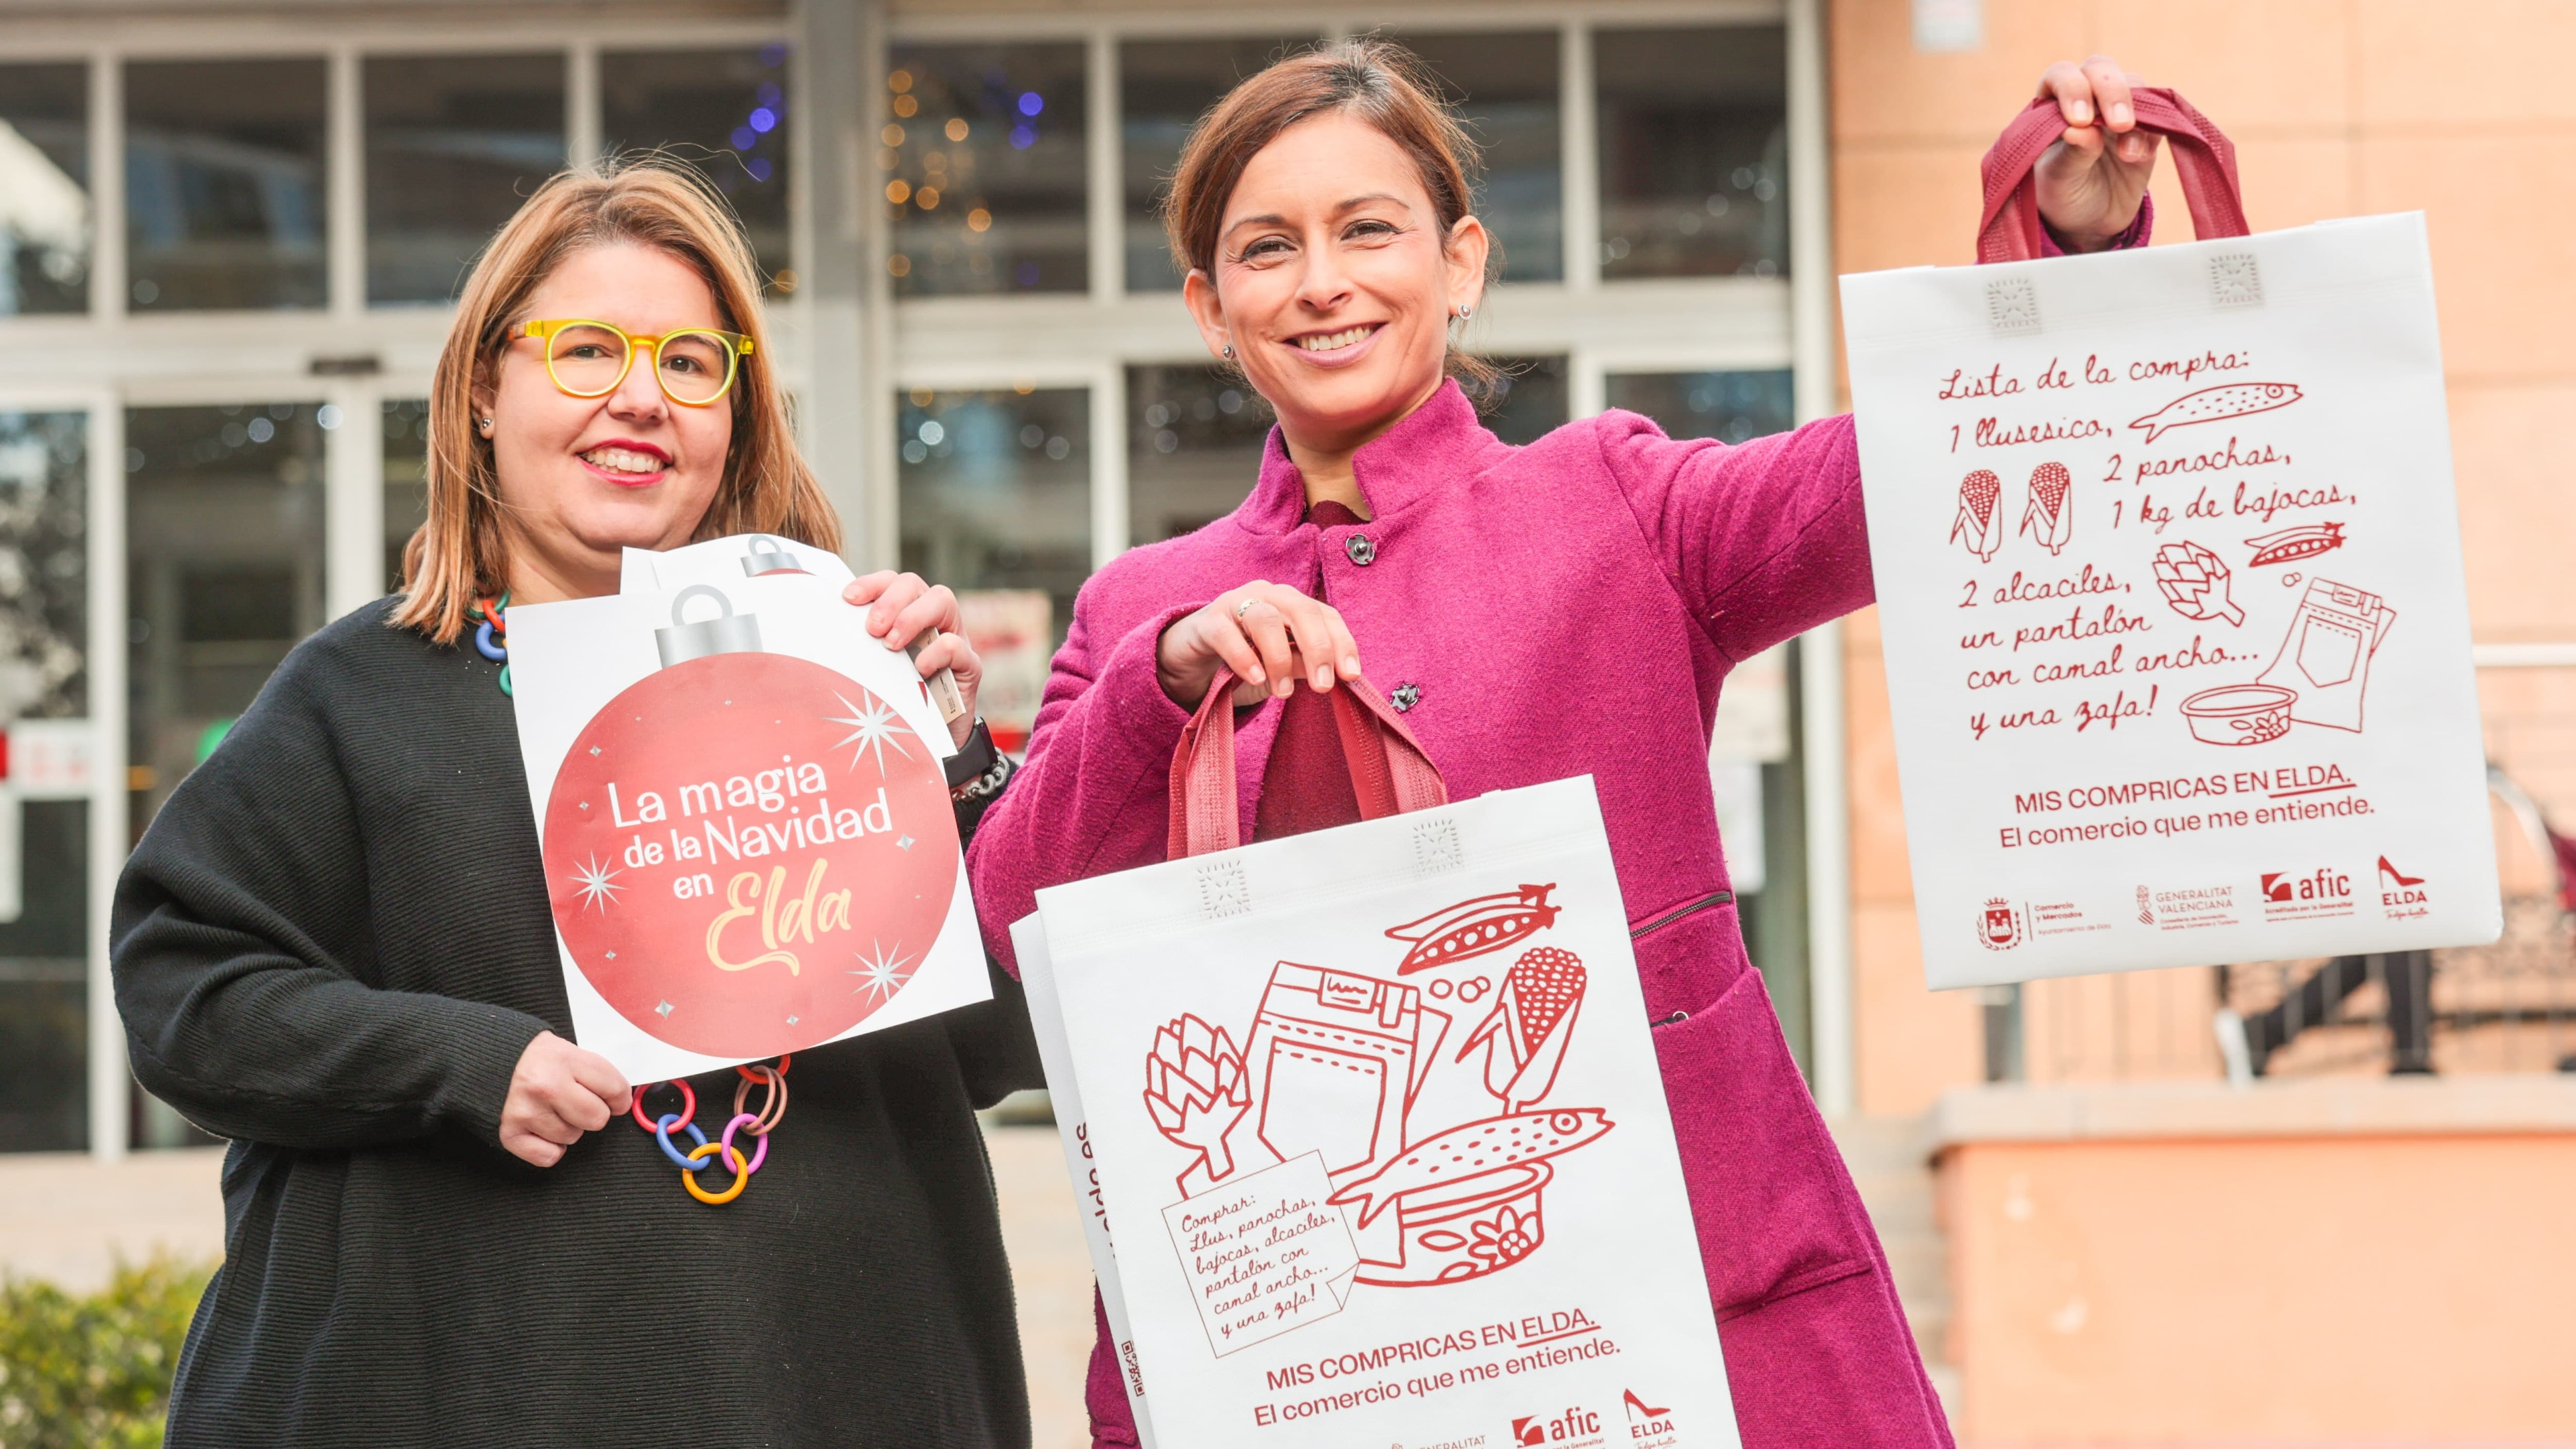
(1336, 341)
(626, 462)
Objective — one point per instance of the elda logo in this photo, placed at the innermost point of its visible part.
(2000, 927)
(2397, 888)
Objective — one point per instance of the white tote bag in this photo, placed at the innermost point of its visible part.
(1373, 1118)
(2168, 562)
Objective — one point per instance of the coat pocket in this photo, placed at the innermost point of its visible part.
(1774, 1207)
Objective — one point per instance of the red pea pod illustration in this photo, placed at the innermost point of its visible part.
(2292, 544)
(1980, 523)
(1474, 927)
(2194, 581)
(2050, 516)
(2216, 404)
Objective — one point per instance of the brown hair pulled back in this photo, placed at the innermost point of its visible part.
(462, 553)
(1372, 80)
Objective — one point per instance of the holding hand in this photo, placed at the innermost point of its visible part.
(901, 608)
(2091, 181)
(558, 1092)
(1270, 635)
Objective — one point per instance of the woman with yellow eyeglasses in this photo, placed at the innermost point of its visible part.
(333, 946)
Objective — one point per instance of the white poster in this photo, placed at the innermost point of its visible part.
(743, 808)
(1381, 1139)
(2176, 631)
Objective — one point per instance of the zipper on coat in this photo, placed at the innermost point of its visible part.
(1715, 898)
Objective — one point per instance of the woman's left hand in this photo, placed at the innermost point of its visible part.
(901, 608)
(2092, 179)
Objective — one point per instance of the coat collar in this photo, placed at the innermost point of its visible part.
(1423, 455)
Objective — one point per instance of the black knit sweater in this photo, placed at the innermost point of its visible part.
(333, 945)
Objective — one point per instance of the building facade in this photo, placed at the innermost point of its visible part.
(234, 231)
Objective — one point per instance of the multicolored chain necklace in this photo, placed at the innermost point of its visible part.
(773, 1110)
(491, 633)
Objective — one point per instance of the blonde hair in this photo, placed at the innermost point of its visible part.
(461, 554)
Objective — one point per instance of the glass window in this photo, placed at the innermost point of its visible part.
(406, 479)
(1734, 406)
(44, 566)
(44, 188)
(1505, 89)
(1529, 401)
(995, 491)
(982, 164)
(1194, 440)
(224, 549)
(1164, 87)
(225, 191)
(724, 111)
(1694, 151)
(44, 996)
(454, 143)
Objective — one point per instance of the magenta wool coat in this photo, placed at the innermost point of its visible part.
(1568, 608)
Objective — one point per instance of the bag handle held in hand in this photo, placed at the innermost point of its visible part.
(2009, 229)
(1390, 771)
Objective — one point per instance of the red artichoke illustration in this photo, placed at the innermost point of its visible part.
(2194, 581)
(1195, 1089)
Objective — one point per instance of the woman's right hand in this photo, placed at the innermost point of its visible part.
(1269, 634)
(558, 1092)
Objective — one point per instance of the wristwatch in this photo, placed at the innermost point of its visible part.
(977, 769)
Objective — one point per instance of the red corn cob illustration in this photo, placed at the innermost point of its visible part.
(2194, 581)
(2211, 404)
(1980, 522)
(1474, 927)
(2049, 515)
(1525, 1036)
(2292, 544)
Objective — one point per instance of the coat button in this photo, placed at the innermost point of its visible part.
(1362, 551)
(1406, 696)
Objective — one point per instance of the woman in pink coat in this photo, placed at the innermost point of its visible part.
(1567, 608)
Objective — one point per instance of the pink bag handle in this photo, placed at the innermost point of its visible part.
(1390, 771)
(2009, 229)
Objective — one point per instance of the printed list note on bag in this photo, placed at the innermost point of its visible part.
(2172, 604)
(1266, 1254)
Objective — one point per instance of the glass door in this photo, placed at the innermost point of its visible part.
(52, 965)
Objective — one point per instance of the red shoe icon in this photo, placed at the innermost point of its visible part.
(2398, 876)
(1638, 1408)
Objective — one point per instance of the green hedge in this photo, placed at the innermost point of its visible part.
(93, 1372)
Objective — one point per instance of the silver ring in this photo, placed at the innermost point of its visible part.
(1245, 607)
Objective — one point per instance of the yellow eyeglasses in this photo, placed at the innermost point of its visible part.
(695, 366)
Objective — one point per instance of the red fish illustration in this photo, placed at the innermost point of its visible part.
(1980, 523)
(1474, 1150)
(1474, 927)
(2215, 404)
(2049, 515)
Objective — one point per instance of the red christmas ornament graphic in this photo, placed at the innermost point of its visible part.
(748, 853)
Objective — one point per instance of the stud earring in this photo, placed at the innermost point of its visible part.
(485, 424)
(1466, 312)
(1229, 352)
